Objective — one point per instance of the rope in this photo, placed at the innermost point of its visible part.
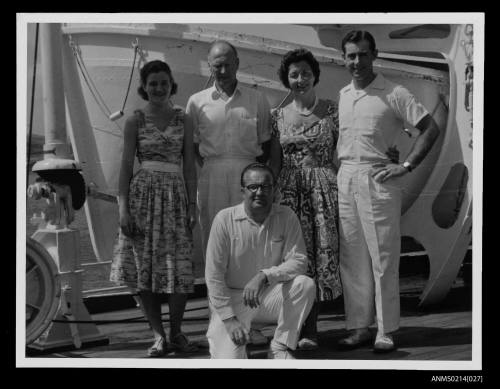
(91, 85)
(89, 80)
(90, 89)
(99, 103)
(32, 106)
(131, 74)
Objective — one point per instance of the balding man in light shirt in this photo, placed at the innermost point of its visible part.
(230, 123)
(255, 271)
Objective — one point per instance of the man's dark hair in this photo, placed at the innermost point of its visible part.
(295, 56)
(356, 36)
(256, 166)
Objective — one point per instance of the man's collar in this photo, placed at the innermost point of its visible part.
(217, 93)
(377, 83)
(240, 213)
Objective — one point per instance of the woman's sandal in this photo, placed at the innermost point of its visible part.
(181, 343)
(158, 349)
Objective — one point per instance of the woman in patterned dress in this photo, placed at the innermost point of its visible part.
(307, 130)
(157, 208)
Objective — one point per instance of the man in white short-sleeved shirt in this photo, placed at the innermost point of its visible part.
(255, 271)
(230, 125)
(372, 112)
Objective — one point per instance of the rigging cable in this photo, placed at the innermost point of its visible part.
(136, 48)
(92, 87)
(32, 105)
(98, 98)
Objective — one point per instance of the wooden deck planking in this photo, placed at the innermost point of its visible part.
(438, 334)
(443, 353)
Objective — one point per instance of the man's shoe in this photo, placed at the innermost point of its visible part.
(384, 343)
(358, 338)
(257, 338)
(308, 343)
(280, 354)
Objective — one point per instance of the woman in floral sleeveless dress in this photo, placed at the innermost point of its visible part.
(157, 208)
(307, 130)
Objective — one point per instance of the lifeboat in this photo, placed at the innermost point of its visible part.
(101, 63)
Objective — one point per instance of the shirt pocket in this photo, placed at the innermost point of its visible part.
(247, 127)
(236, 246)
(277, 244)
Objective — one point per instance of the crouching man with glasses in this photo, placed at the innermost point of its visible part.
(255, 271)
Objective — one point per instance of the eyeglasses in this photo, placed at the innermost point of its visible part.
(255, 187)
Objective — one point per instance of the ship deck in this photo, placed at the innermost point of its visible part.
(438, 333)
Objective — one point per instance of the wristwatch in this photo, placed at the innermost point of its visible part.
(408, 166)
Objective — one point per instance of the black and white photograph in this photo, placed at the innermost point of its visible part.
(219, 190)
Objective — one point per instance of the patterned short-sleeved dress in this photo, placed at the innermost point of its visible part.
(308, 184)
(158, 257)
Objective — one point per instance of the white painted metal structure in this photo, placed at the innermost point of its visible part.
(54, 304)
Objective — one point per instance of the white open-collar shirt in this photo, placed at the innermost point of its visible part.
(370, 119)
(233, 128)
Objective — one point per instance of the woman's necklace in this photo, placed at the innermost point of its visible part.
(306, 111)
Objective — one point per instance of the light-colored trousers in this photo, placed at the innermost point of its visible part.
(219, 187)
(370, 245)
(286, 304)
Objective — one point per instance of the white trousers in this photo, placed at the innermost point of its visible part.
(370, 245)
(286, 304)
(218, 188)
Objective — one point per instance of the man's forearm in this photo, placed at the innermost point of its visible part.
(295, 264)
(424, 142)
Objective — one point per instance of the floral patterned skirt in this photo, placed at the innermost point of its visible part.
(158, 256)
(313, 194)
